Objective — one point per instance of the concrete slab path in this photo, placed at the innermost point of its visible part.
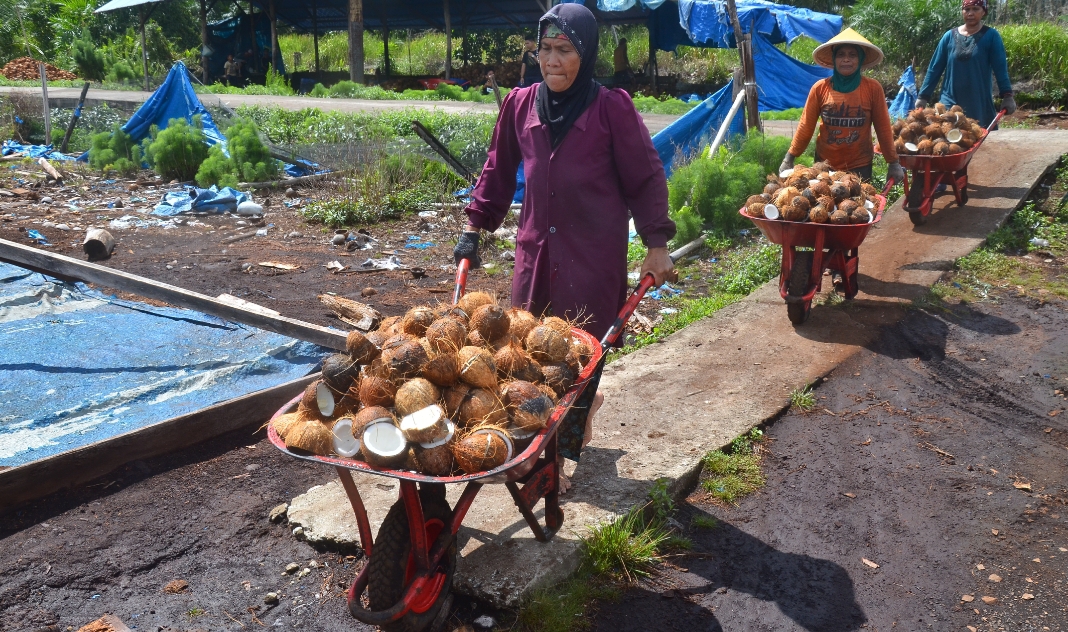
(670, 403)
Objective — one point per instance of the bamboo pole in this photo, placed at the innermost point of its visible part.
(448, 41)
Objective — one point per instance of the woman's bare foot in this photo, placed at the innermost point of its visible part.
(565, 482)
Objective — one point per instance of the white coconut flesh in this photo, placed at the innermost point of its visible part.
(912, 147)
(868, 204)
(504, 437)
(771, 211)
(451, 427)
(954, 136)
(345, 444)
(384, 440)
(324, 399)
(426, 425)
(518, 434)
(786, 174)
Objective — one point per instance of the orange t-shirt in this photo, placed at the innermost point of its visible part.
(846, 120)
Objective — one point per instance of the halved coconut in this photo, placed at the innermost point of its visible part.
(434, 458)
(482, 450)
(415, 395)
(521, 438)
(954, 135)
(345, 444)
(426, 425)
(310, 435)
(383, 445)
(370, 415)
(324, 399)
(473, 300)
(911, 148)
(786, 173)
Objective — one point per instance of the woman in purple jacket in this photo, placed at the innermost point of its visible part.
(589, 165)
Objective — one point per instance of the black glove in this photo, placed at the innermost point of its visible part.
(1008, 103)
(467, 248)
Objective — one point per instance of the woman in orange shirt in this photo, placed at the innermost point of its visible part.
(847, 105)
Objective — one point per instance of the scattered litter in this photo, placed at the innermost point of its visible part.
(428, 214)
(249, 208)
(418, 243)
(294, 235)
(38, 237)
(98, 244)
(279, 265)
(337, 240)
(1020, 485)
(869, 563)
(664, 291)
(669, 310)
(197, 200)
(334, 266)
(389, 263)
(176, 586)
(262, 232)
(1041, 243)
(294, 203)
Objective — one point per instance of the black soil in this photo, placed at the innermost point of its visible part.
(940, 455)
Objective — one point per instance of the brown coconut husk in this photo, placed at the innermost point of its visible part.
(475, 339)
(473, 300)
(549, 392)
(480, 452)
(520, 322)
(481, 406)
(545, 344)
(559, 377)
(416, 320)
(408, 359)
(839, 217)
(348, 405)
(395, 341)
(771, 188)
(784, 195)
(340, 372)
(445, 310)
(378, 368)
(310, 435)
(755, 209)
(388, 325)
(490, 321)
(377, 338)
(415, 394)
(510, 360)
(453, 398)
(531, 373)
(757, 199)
(368, 415)
(377, 391)
(504, 341)
(559, 325)
(477, 367)
(839, 191)
(425, 425)
(848, 206)
(435, 458)
(528, 408)
(443, 369)
(446, 335)
(819, 214)
(360, 349)
(282, 423)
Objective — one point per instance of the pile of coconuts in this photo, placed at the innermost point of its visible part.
(814, 194)
(441, 390)
(936, 131)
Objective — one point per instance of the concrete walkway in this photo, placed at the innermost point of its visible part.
(670, 403)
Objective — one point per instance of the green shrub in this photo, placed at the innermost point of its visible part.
(1038, 52)
(116, 151)
(121, 72)
(653, 105)
(249, 161)
(905, 29)
(176, 152)
(88, 58)
(716, 188)
(319, 91)
(687, 226)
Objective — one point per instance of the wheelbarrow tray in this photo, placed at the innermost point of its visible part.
(806, 234)
(951, 163)
(537, 444)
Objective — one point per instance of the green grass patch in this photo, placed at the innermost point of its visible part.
(792, 114)
(803, 399)
(704, 522)
(731, 474)
(627, 547)
(562, 608)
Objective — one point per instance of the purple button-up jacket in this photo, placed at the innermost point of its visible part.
(571, 248)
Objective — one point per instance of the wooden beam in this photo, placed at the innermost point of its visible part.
(37, 479)
(356, 41)
(144, 51)
(69, 267)
(448, 40)
(204, 78)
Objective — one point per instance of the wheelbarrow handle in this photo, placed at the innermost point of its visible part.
(461, 280)
(616, 330)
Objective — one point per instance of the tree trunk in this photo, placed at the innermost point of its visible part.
(448, 41)
(144, 50)
(274, 36)
(204, 41)
(356, 40)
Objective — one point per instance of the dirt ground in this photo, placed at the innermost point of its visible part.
(940, 455)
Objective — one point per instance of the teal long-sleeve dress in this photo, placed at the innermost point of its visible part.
(968, 62)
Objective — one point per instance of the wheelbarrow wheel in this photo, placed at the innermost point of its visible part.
(917, 218)
(389, 566)
(800, 273)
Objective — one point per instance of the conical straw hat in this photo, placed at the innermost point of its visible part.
(824, 53)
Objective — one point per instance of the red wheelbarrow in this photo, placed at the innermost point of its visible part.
(410, 565)
(930, 172)
(834, 247)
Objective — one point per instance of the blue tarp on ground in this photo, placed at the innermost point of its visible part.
(906, 97)
(782, 83)
(197, 200)
(33, 151)
(82, 366)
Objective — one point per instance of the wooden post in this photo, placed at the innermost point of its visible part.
(749, 68)
(255, 61)
(386, 69)
(144, 50)
(448, 41)
(315, 36)
(356, 40)
(204, 41)
(44, 99)
(274, 35)
(74, 118)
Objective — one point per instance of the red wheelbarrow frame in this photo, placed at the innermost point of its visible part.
(951, 170)
(835, 247)
(428, 549)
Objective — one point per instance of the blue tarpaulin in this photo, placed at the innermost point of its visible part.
(173, 100)
(33, 151)
(83, 366)
(782, 83)
(195, 200)
(906, 97)
(708, 24)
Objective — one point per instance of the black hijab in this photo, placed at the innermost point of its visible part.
(559, 110)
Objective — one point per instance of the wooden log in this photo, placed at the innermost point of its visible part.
(60, 265)
(49, 169)
(355, 313)
(31, 481)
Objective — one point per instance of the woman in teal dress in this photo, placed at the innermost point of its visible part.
(968, 55)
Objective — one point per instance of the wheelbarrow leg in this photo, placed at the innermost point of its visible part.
(542, 482)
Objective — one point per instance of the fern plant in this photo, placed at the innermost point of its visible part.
(176, 152)
(115, 151)
(249, 161)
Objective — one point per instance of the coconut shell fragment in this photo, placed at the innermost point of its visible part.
(425, 425)
(383, 445)
(310, 435)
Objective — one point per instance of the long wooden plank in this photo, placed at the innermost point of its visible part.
(31, 481)
(69, 267)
